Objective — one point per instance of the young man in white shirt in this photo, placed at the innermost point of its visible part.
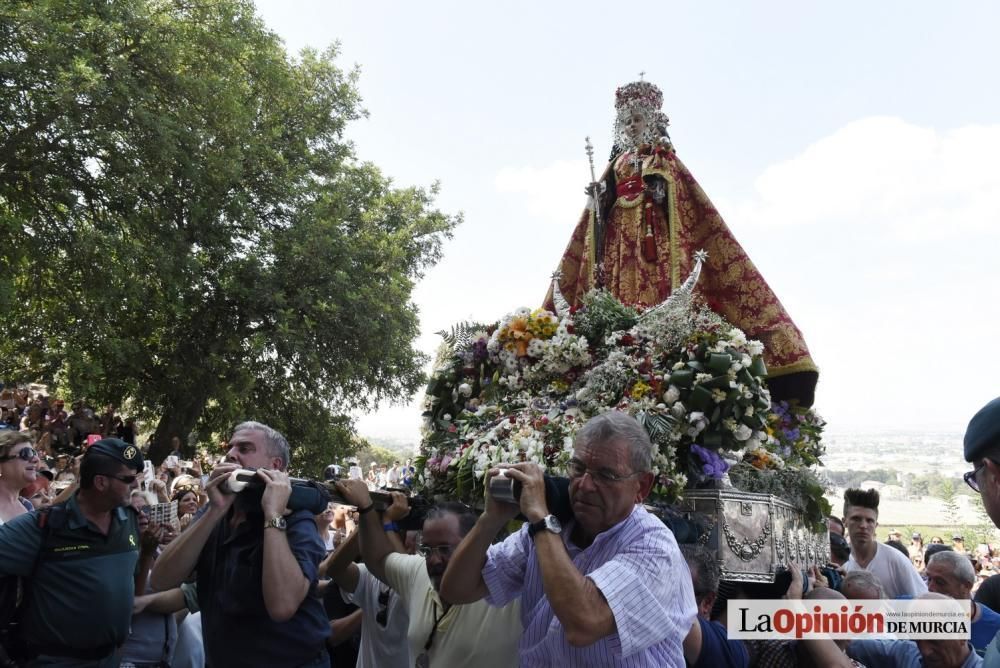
(894, 571)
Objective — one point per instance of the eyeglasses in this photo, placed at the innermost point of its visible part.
(971, 477)
(578, 469)
(444, 551)
(127, 479)
(27, 454)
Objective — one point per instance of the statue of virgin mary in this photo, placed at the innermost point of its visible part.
(653, 218)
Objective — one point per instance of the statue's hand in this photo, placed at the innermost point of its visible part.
(600, 188)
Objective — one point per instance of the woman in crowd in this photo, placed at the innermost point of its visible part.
(187, 500)
(18, 468)
(324, 522)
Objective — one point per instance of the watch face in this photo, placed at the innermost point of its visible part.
(552, 524)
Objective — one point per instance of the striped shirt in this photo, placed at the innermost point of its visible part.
(640, 571)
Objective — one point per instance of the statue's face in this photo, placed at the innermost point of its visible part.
(634, 126)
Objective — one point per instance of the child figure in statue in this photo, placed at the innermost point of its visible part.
(653, 217)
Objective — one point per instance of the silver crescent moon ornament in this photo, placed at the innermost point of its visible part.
(686, 290)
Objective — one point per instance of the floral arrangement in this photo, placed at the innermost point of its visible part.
(519, 389)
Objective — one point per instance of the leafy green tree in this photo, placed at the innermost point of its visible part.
(378, 455)
(189, 228)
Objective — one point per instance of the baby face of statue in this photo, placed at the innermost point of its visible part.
(634, 125)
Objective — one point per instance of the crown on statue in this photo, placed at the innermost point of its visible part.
(638, 93)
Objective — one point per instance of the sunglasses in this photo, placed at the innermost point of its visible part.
(127, 479)
(27, 454)
(971, 478)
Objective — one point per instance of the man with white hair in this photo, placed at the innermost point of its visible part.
(952, 574)
(257, 563)
(862, 585)
(943, 653)
(610, 590)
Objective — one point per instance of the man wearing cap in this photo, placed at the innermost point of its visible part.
(982, 449)
(80, 559)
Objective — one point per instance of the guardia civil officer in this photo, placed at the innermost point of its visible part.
(78, 560)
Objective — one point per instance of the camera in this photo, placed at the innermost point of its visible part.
(508, 490)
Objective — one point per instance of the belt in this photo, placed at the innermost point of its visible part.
(89, 654)
(629, 187)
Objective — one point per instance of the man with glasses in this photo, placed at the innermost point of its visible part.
(982, 449)
(609, 589)
(80, 558)
(439, 634)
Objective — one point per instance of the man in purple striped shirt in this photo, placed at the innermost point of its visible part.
(611, 589)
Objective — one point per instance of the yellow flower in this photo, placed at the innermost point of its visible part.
(640, 389)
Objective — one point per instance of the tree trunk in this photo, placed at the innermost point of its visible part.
(179, 419)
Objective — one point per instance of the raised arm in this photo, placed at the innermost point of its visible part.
(375, 545)
(463, 579)
(585, 614)
(283, 585)
(180, 557)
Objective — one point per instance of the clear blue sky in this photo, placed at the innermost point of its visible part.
(851, 147)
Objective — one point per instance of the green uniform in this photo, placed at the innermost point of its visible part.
(79, 582)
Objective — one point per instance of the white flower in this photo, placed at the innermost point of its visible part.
(678, 366)
(536, 348)
(698, 422)
(465, 390)
(672, 394)
(678, 409)
(737, 336)
(742, 433)
(702, 377)
(749, 411)
(755, 348)
(522, 312)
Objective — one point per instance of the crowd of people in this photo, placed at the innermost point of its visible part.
(183, 572)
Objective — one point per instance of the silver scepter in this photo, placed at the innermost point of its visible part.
(595, 197)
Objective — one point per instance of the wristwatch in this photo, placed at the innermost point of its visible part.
(547, 523)
(276, 522)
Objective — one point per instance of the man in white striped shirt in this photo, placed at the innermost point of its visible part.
(609, 589)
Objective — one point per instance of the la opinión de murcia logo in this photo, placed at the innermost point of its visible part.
(923, 619)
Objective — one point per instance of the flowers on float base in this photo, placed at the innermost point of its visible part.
(694, 381)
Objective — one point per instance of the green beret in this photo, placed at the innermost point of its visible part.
(983, 433)
(115, 448)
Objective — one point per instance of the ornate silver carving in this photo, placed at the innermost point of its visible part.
(746, 549)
